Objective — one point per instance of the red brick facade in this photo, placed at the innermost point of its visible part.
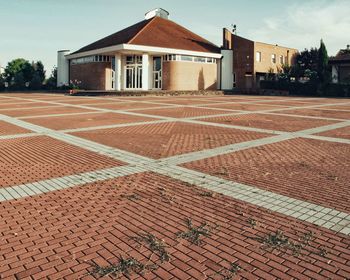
(91, 75)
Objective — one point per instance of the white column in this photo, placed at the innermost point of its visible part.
(145, 71)
(118, 72)
(62, 68)
(227, 70)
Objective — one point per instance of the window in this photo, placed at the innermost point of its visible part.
(200, 59)
(197, 59)
(186, 58)
(282, 59)
(273, 58)
(258, 56)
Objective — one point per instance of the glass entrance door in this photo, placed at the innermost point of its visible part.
(133, 72)
(157, 72)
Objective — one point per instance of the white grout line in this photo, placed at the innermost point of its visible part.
(58, 115)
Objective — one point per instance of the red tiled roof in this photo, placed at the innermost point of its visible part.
(156, 32)
(342, 56)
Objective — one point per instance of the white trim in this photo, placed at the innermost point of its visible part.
(141, 48)
(169, 50)
(97, 51)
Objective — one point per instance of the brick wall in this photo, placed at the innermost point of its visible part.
(180, 75)
(267, 51)
(243, 60)
(92, 75)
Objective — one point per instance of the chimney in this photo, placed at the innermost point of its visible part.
(227, 39)
(158, 12)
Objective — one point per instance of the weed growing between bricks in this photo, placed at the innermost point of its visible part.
(228, 273)
(279, 241)
(124, 267)
(165, 197)
(156, 245)
(207, 194)
(194, 234)
(133, 196)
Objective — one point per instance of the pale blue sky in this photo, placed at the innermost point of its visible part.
(36, 29)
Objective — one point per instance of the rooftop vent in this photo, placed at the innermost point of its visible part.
(159, 12)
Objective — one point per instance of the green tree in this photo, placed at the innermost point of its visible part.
(2, 82)
(322, 64)
(51, 82)
(18, 72)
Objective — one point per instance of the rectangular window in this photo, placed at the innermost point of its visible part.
(282, 59)
(273, 58)
(186, 58)
(258, 56)
(200, 59)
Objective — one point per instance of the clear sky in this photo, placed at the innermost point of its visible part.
(36, 29)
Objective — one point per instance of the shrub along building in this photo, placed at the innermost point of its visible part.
(158, 54)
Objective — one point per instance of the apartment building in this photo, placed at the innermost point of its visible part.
(341, 66)
(251, 61)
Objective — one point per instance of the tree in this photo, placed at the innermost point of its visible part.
(38, 75)
(2, 82)
(322, 64)
(18, 72)
(51, 82)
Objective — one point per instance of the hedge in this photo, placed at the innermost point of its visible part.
(308, 89)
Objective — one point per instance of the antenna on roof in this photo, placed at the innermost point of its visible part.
(234, 29)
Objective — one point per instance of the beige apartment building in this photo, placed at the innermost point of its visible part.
(252, 61)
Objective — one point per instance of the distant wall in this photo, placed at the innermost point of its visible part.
(93, 76)
(180, 75)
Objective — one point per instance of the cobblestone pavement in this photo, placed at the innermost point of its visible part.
(189, 187)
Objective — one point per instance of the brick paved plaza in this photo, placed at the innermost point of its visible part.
(189, 187)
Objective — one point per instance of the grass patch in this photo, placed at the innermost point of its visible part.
(156, 245)
(195, 234)
(124, 267)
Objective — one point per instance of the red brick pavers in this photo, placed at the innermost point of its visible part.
(10, 129)
(43, 111)
(338, 133)
(125, 105)
(319, 113)
(59, 235)
(246, 107)
(183, 112)
(310, 170)
(5, 106)
(86, 120)
(338, 107)
(290, 103)
(168, 139)
(32, 159)
(272, 122)
(193, 101)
